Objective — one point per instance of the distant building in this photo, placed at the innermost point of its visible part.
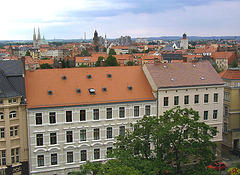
(141, 40)
(123, 40)
(37, 40)
(96, 41)
(184, 42)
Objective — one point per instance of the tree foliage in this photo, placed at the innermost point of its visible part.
(85, 53)
(111, 61)
(46, 66)
(234, 64)
(27, 53)
(167, 142)
(112, 52)
(100, 58)
(130, 63)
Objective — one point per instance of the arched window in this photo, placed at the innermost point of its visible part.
(1, 116)
(12, 114)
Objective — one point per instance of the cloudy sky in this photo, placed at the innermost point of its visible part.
(69, 19)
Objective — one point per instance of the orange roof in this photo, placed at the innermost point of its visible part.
(119, 47)
(92, 58)
(38, 82)
(30, 60)
(199, 50)
(224, 55)
(232, 74)
(40, 62)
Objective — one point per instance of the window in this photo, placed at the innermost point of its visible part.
(176, 100)
(225, 111)
(96, 153)
(186, 99)
(227, 96)
(40, 160)
(12, 114)
(14, 100)
(216, 131)
(52, 117)
(121, 112)
(83, 135)
(15, 155)
(109, 150)
(215, 97)
(136, 111)
(196, 99)
(109, 132)
(92, 91)
(2, 132)
(69, 157)
(1, 102)
(15, 130)
(205, 115)
(68, 116)
(1, 116)
(2, 158)
(215, 114)
(10, 101)
(53, 138)
(11, 131)
(83, 155)
(122, 130)
(39, 138)
(54, 159)
(225, 127)
(205, 98)
(109, 113)
(95, 114)
(96, 134)
(165, 101)
(69, 135)
(82, 115)
(38, 118)
(147, 110)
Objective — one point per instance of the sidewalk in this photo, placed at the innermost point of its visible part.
(229, 160)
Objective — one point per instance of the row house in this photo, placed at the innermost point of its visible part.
(223, 59)
(231, 113)
(189, 85)
(75, 114)
(13, 121)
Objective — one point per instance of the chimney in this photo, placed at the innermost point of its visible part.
(102, 63)
(156, 61)
(23, 63)
(184, 59)
(60, 64)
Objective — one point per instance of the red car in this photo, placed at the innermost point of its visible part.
(215, 165)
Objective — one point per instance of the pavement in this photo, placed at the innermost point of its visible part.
(229, 160)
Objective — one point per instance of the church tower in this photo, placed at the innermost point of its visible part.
(184, 42)
(96, 41)
(39, 38)
(105, 42)
(34, 39)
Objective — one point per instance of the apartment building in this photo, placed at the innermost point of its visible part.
(231, 113)
(189, 85)
(13, 123)
(74, 114)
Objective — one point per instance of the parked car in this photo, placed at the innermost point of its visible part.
(215, 165)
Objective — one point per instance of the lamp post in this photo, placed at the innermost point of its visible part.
(220, 153)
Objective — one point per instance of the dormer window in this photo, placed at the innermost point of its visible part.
(104, 89)
(202, 78)
(92, 91)
(89, 76)
(78, 91)
(129, 88)
(64, 77)
(50, 92)
(109, 75)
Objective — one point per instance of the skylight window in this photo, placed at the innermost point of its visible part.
(89, 76)
(104, 89)
(92, 91)
(165, 66)
(78, 91)
(109, 75)
(64, 77)
(172, 79)
(129, 88)
(202, 78)
(50, 92)
(194, 65)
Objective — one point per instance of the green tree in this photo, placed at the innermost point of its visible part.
(112, 52)
(44, 58)
(111, 61)
(85, 53)
(130, 63)
(27, 53)
(234, 64)
(100, 58)
(46, 66)
(104, 49)
(175, 138)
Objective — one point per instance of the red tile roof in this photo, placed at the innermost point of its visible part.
(38, 82)
(183, 74)
(231, 74)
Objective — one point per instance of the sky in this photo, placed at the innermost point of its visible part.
(70, 19)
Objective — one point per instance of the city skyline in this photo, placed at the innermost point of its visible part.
(153, 18)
